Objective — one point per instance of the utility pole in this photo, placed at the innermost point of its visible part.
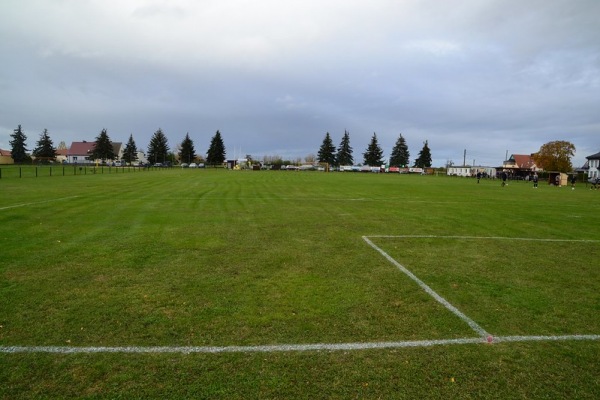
(465, 158)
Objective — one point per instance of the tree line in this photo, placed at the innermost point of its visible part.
(373, 155)
(158, 148)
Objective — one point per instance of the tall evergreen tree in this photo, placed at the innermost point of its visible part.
(216, 150)
(326, 152)
(374, 154)
(424, 159)
(18, 150)
(344, 153)
(44, 149)
(103, 148)
(400, 156)
(158, 148)
(187, 153)
(130, 150)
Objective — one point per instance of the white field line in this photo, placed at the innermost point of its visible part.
(479, 238)
(37, 202)
(288, 347)
(480, 331)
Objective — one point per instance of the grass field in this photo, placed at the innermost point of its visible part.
(280, 284)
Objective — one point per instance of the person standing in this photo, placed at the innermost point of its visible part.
(478, 176)
(504, 176)
(535, 180)
(573, 180)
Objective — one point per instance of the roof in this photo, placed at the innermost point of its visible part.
(5, 153)
(85, 148)
(81, 148)
(523, 161)
(594, 157)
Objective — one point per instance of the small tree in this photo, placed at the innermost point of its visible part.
(424, 158)
(130, 151)
(158, 148)
(44, 149)
(374, 154)
(344, 153)
(555, 156)
(18, 150)
(216, 150)
(103, 148)
(400, 156)
(187, 153)
(326, 152)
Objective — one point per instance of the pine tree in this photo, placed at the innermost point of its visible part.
(344, 154)
(424, 159)
(187, 153)
(374, 154)
(326, 153)
(103, 148)
(44, 149)
(400, 156)
(216, 150)
(18, 150)
(158, 148)
(130, 151)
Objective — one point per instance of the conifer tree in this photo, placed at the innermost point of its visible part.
(130, 151)
(400, 156)
(326, 152)
(18, 150)
(374, 154)
(158, 148)
(44, 149)
(424, 159)
(103, 148)
(187, 153)
(216, 151)
(344, 153)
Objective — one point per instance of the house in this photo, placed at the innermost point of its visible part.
(520, 165)
(79, 152)
(593, 164)
(61, 155)
(6, 157)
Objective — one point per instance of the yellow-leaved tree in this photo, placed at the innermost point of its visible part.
(555, 156)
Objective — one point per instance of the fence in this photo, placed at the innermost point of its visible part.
(35, 171)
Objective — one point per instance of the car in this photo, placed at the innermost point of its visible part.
(193, 165)
(185, 165)
(158, 165)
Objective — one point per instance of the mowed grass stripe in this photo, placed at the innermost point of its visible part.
(151, 267)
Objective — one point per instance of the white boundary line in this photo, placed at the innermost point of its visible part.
(286, 347)
(37, 202)
(484, 337)
(480, 331)
(480, 238)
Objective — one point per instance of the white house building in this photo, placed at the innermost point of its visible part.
(593, 164)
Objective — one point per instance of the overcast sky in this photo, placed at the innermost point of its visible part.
(489, 77)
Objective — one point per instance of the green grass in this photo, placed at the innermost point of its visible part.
(223, 258)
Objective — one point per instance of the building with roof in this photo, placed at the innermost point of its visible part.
(520, 165)
(6, 157)
(593, 166)
(80, 152)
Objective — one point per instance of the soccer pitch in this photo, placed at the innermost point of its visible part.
(270, 284)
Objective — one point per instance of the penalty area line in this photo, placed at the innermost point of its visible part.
(474, 325)
(288, 348)
(480, 237)
(37, 202)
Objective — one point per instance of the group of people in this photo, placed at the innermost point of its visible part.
(535, 179)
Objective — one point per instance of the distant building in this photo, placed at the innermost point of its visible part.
(6, 157)
(80, 152)
(520, 165)
(593, 164)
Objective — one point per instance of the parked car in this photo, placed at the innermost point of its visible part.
(193, 165)
(158, 165)
(185, 165)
